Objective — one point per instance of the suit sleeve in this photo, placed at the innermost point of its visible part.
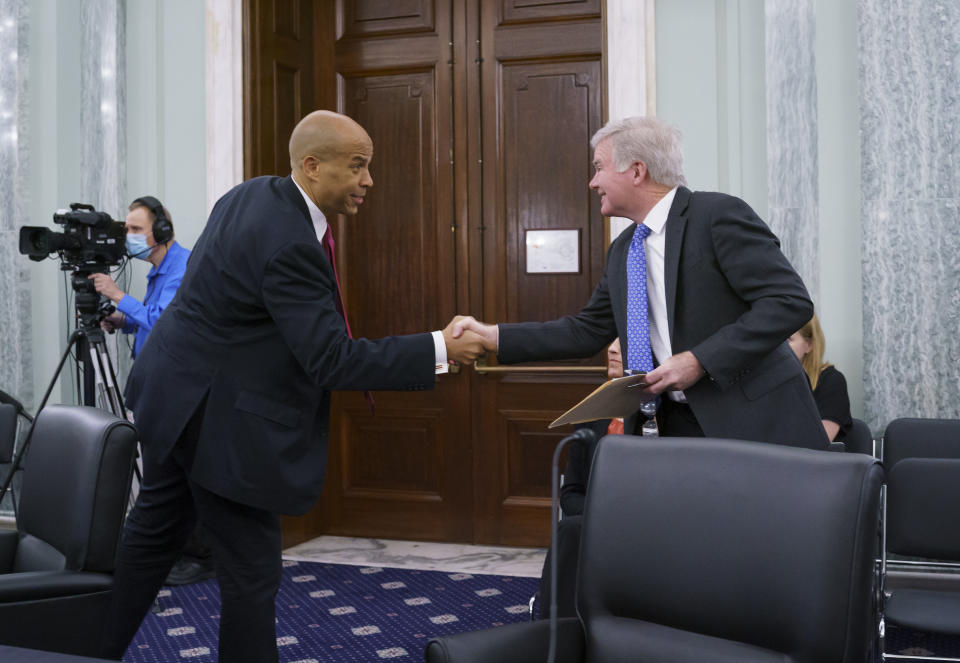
(300, 296)
(777, 302)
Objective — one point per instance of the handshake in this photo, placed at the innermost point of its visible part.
(467, 338)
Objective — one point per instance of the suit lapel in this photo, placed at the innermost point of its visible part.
(676, 226)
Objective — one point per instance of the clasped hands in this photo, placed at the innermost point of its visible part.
(466, 339)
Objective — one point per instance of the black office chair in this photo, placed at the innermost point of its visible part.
(859, 439)
(55, 569)
(922, 457)
(712, 550)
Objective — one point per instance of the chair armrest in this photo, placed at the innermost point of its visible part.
(514, 643)
(36, 585)
(8, 548)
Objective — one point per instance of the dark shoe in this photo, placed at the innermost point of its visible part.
(185, 573)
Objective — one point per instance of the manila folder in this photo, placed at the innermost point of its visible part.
(616, 398)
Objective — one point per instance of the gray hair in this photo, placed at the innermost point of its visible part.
(645, 139)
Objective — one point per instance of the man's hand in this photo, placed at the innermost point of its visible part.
(106, 286)
(465, 347)
(489, 333)
(112, 322)
(675, 374)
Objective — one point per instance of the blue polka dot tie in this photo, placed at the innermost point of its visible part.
(639, 356)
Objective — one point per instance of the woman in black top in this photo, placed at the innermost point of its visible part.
(828, 384)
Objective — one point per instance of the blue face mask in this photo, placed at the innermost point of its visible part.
(137, 246)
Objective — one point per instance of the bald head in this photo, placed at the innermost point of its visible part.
(325, 135)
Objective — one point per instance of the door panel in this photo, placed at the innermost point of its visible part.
(514, 11)
(373, 17)
(545, 168)
(385, 277)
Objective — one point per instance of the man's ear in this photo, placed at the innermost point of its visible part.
(639, 171)
(309, 165)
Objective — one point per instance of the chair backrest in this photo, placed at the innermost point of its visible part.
(859, 439)
(920, 438)
(8, 433)
(75, 490)
(922, 457)
(724, 550)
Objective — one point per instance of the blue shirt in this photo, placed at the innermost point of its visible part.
(162, 283)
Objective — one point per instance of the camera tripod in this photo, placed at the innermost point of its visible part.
(100, 388)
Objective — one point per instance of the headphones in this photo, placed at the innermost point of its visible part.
(162, 227)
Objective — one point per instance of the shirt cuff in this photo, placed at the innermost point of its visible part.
(440, 352)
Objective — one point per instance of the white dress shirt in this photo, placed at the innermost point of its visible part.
(320, 226)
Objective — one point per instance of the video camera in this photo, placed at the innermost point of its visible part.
(91, 241)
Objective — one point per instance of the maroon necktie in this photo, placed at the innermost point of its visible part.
(328, 248)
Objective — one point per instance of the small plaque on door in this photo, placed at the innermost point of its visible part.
(553, 251)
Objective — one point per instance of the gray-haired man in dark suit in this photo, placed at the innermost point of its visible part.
(719, 301)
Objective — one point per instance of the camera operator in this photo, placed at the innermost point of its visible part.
(149, 238)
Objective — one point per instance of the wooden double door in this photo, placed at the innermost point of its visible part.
(481, 113)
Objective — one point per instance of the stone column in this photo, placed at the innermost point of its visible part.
(910, 188)
(103, 151)
(793, 215)
(16, 358)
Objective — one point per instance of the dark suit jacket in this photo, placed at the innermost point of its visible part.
(732, 300)
(254, 333)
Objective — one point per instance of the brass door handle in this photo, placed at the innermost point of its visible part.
(481, 367)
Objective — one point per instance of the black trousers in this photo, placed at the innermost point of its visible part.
(246, 545)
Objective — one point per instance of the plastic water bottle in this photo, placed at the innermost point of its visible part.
(649, 428)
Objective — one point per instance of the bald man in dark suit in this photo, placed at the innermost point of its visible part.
(231, 392)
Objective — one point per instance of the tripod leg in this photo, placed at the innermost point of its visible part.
(110, 381)
(114, 386)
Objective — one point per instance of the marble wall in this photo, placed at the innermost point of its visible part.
(910, 187)
(791, 89)
(16, 365)
(103, 150)
(103, 126)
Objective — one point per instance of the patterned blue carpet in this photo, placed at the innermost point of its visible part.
(339, 613)
(333, 612)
